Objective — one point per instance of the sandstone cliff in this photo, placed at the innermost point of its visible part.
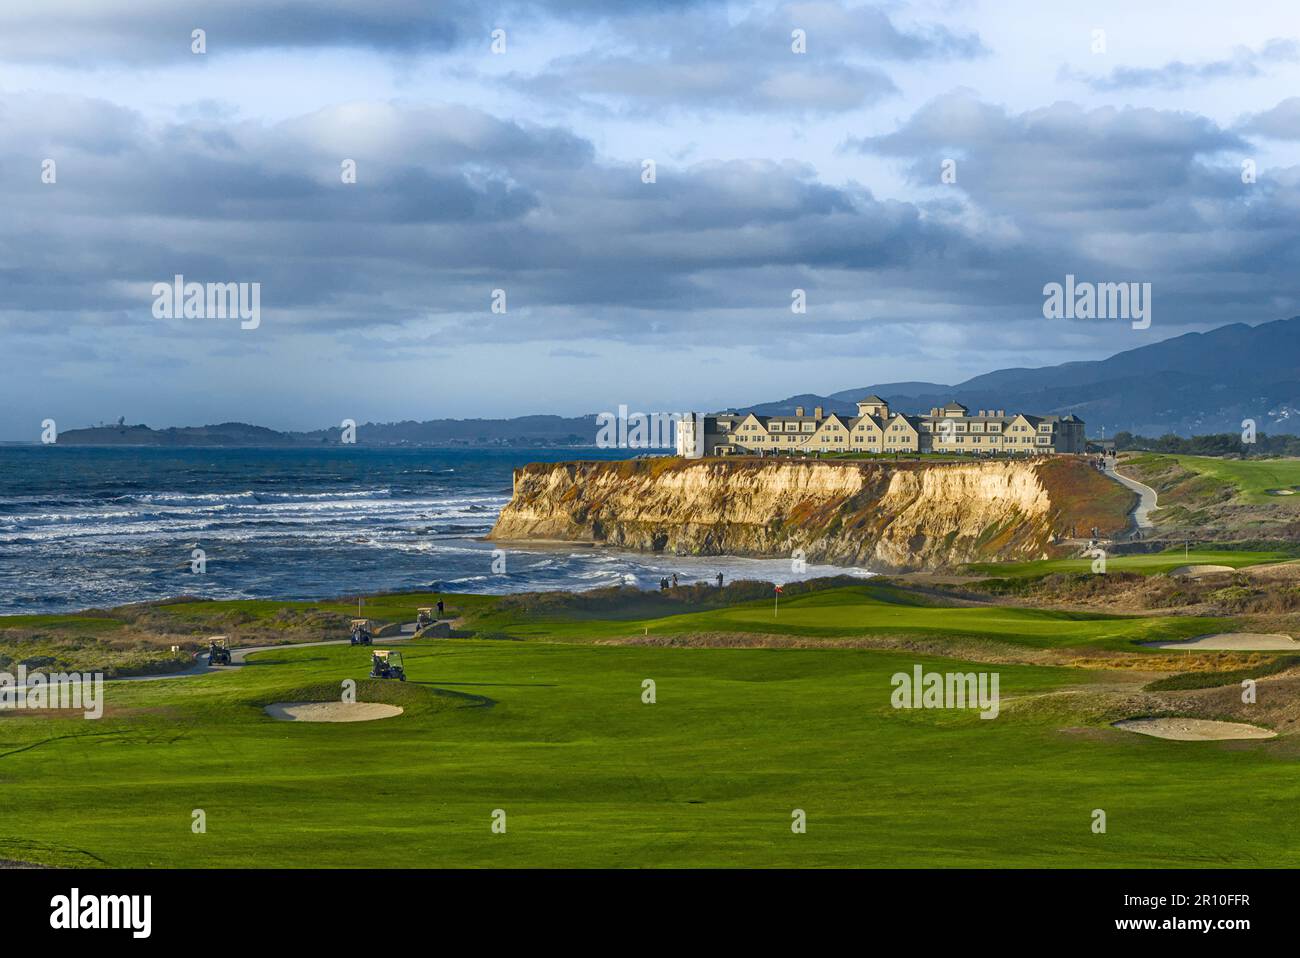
(884, 515)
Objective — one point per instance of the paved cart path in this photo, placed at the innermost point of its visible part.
(1146, 497)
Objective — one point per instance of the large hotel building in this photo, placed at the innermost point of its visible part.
(952, 428)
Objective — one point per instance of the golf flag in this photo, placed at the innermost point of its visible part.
(776, 600)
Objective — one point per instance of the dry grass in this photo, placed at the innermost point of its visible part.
(1142, 666)
(1084, 498)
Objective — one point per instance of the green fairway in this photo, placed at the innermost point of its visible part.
(553, 731)
(1147, 564)
(558, 737)
(1253, 478)
(872, 610)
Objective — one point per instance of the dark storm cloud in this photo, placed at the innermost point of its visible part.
(1117, 194)
(699, 59)
(1175, 75)
(449, 204)
(90, 32)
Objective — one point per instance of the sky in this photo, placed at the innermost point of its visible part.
(920, 171)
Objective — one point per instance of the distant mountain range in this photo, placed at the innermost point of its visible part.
(523, 431)
(1194, 384)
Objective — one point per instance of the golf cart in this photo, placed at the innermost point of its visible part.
(424, 617)
(387, 665)
(362, 632)
(218, 651)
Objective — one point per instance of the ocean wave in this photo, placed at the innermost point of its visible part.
(104, 535)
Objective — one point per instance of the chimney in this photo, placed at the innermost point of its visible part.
(981, 412)
(817, 412)
(798, 410)
(1002, 412)
(934, 410)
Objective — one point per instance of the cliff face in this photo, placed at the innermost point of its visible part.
(885, 516)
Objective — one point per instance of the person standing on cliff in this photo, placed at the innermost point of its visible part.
(674, 580)
(719, 580)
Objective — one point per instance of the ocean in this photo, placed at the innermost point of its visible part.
(87, 527)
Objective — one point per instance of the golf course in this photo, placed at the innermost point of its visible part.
(1256, 481)
(532, 737)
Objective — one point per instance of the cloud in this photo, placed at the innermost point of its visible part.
(145, 31)
(449, 204)
(1111, 195)
(1176, 75)
(700, 83)
(1056, 166)
(699, 60)
(1282, 122)
(452, 202)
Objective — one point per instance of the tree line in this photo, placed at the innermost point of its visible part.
(1217, 444)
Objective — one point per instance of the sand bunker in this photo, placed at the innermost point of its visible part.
(1280, 492)
(1193, 571)
(1233, 642)
(1193, 730)
(330, 711)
